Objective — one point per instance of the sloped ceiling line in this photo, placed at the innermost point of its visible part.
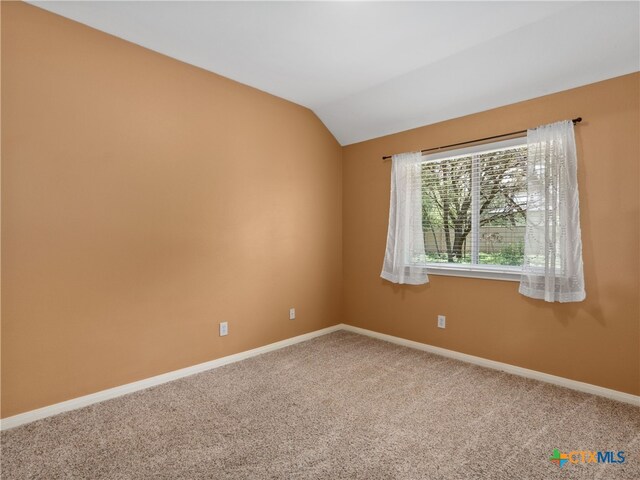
(369, 69)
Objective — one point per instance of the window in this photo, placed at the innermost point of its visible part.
(507, 210)
(474, 210)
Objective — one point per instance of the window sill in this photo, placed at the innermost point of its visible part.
(488, 273)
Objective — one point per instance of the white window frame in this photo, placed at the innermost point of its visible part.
(490, 272)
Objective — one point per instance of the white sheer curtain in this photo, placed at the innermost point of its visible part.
(405, 240)
(552, 268)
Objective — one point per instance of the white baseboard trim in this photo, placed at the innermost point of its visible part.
(79, 402)
(505, 367)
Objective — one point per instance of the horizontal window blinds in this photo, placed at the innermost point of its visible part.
(474, 207)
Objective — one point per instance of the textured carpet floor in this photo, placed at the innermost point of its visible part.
(339, 406)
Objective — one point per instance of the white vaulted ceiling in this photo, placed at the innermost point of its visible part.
(373, 68)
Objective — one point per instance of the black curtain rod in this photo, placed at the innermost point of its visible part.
(386, 157)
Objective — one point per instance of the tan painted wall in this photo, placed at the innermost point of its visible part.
(144, 201)
(597, 341)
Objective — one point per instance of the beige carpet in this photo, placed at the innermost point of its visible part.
(340, 406)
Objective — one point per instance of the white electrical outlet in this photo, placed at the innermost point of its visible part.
(292, 314)
(442, 321)
(224, 329)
